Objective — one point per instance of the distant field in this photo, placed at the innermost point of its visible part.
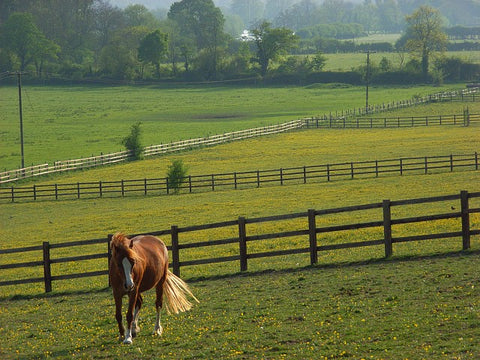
(377, 38)
(78, 121)
(345, 62)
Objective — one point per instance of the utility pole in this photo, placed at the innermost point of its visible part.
(19, 79)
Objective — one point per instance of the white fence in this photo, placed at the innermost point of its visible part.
(93, 161)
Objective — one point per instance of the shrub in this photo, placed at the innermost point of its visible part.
(133, 141)
(176, 175)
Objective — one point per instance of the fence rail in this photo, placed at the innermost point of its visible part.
(330, 120)
(311, 243)
(465, 119)
(245, 179)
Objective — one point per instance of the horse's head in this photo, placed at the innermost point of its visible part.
(124, 258)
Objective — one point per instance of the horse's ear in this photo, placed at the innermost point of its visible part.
(131, 244)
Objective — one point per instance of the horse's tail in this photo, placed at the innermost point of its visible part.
(176, 292)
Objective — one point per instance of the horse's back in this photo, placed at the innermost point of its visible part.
(150, 245)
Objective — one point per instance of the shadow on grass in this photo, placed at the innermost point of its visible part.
(337, 265)
(346, 264)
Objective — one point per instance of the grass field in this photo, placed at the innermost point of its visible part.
(420, 304)
(420, 308)
(62, 123)
(345, 62)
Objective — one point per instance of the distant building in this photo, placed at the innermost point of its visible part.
(246, 36)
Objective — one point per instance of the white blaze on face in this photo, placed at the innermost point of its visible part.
(127, 267)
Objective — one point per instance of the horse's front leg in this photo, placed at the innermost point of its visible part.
(118, 315)
(132, 300)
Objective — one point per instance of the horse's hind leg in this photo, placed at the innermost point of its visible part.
(138, 306)
(158, 304)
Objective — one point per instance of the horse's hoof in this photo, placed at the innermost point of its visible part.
(158, 331)
(127, 341)
(135, 332)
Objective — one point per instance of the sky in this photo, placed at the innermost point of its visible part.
(155, 4)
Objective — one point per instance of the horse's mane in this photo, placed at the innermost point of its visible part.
(121, 241)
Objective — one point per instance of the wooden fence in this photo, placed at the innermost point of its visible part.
(312, 243)
(245, 179)
(465, 119)
(334, 119)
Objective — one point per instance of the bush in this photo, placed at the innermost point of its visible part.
(133, 141)
(176, 175)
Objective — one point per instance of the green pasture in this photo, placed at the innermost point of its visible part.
(66, 122)
(420, 304)
(378, 38)
(296, 149)
(410, 308)
(348, 61)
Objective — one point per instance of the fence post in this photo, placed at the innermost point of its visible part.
(465, 219)
(387, 228)
(312, 231)
(47, 274)
(175, 251)
(242, 241)
(109, 255)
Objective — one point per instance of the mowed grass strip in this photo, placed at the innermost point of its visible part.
(69, 122)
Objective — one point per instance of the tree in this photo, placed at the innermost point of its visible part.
(202, 21)
(133, 141)
(176, 175)
(139, 15)
(424, 35)
(199, 19)
(249, 10)
(21, 37)
(153, 48)
(273, 8)
(270, 43)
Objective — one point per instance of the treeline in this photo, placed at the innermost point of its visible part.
(191, 41)
(372, 15)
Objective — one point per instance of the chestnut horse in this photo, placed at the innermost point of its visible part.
(137, 265)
